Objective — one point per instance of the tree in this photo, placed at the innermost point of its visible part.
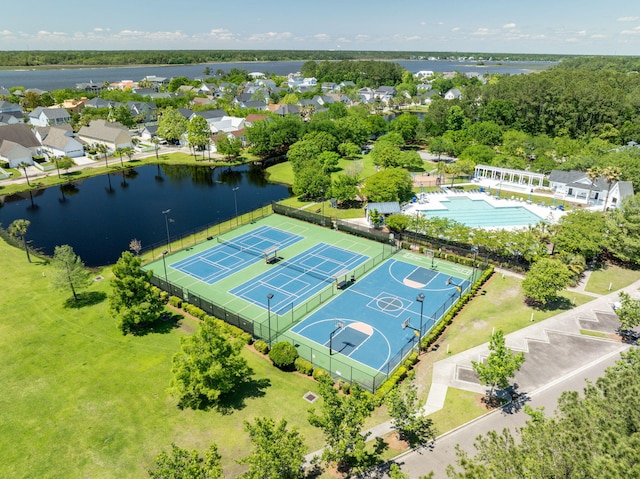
(24, 165)
(623, 225)
(198, 134)
(154, 141)
(68, 270)
(341, 419)
(329, 161)
(501, 364)
(593, 434)
(628, 312)
(397, 222)
(392, 184)
(407, 125)
(133, 300)
(545, 279)
(611, 174)
(310, 181)
(231, 148)
(581, 232)
(172, 125)
(18, 229)
(121, 114)
(184, 464)
(207, 368)
(344, 188)
(65, 163)
(103, 150)
(278, 453)
(406, 415)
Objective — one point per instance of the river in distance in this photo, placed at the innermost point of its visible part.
(99, 216)
(57, 79)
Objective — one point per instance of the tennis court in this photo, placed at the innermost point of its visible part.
(378, 319)
(293, 281)
(235, 254)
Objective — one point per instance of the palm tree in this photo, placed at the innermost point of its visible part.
(155, 142)
(103, 150)
(611, 174)
(23, 165)
(593, 174)
(120, 152)
(19, 229)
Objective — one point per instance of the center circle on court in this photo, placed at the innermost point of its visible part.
(389, 303)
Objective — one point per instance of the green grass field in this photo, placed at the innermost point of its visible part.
(81, 400)
(611, 278)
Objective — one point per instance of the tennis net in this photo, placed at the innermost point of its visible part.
(308, 271)
(239, 247)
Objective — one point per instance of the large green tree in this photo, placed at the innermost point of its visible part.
(545, 279)
(623, 226)
(207, 368)
(133, 301)
(501, 364)
(341, 419)
(172, 125)
(278, 453)
(581, 232)
(184, 464)
(392, 184)
(18, 229)
(198, 134)
(68, 270)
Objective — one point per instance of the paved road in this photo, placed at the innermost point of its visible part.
(420, 463)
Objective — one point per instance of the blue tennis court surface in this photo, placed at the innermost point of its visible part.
(235, 254)
(367, 318)
(297, 279)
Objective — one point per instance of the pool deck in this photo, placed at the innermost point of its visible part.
(433, 202)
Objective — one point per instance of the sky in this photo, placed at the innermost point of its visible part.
(591, 27)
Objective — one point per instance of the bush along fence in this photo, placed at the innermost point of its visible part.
(303, 215)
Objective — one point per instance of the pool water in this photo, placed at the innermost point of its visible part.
(480, 214)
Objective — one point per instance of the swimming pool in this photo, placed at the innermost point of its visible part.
(478, 213)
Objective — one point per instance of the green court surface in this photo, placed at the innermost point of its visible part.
(216, 298)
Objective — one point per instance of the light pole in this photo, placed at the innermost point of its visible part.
(457, 286)
(269, 297)
(235, 201)
(166, 223)
(420, 299)
(164, 263)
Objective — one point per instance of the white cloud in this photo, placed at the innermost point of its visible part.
(598, 35)
(363, 38)
(582, 33)
(481, 32)
(322, 37)
(633, 31)
(509, 25)
(627, 19)
(5, 32)
(455, 29)
(269, 36)
(344, 40)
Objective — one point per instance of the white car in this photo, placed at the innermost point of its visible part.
(617, 305)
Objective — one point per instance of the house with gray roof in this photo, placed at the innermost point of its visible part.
(453, 94)
(22, 135)
(60, 142)
(576, 186)
(98, 103)
(41, 116)
(15, 154)
(111, 134)
(383, 209)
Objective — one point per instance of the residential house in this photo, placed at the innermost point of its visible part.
(90, 87)
(149, 131)
(41, 116)
(4, 92)
(20, 134)
(111, 134)
(367, 95)
(576, 186)
(199, 101)
(145, 91)
(385, 93)
(60, 142)
(329, 87)
(253, 117)
(98, 103)
(15, 154)
(284, 109)
(145, 110)
(266, 83)
(10, 113)
(186, 112)
(345, 85)
(227, 124)
(453, 94)
(10, 119)
(155, 81)
(72, 105)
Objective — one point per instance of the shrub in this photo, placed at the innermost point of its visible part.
(175, 301)
(261, 346)
(283, 355)
(320, 373)
(346, 388)
(303, 366)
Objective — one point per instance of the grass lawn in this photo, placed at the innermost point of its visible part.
(283, 173)
(460, 407)
(613, 275)
(81, 400)
(502, 307)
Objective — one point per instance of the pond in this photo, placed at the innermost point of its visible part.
(100, 216)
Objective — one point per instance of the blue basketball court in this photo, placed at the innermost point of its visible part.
(378, 317)
(235, 254)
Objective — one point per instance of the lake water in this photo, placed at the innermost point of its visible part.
(99, 222)
(59, 79)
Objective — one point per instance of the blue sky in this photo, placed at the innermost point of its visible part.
(560, 26)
